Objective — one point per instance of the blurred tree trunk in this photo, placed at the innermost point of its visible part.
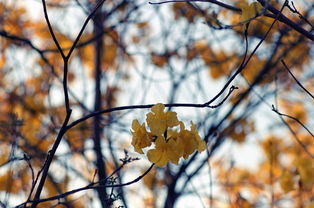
(97, 129)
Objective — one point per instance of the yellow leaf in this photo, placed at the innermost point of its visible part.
(158, 120)
(306, 170)
(159, 60)
(286, 182)
(250, 11)
(164, 152)
(109, 55)
(183, 10)
(141, 138)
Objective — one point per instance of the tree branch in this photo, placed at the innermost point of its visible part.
(296, 80)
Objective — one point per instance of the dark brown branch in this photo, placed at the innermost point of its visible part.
(293, 118)
(219, 141)
(130, 107)
(93, 185)
(63, 129)
(51, 30)
(295, 136)
(49, 159)
(65, 86)
(246, 61)
(232, 88)
(286, 20)
(296, 80)
(293, 9)
(259, 77)
(98, 21)
(224, 5)
(41, 53)
(83, 27)
(282, 17)
(96, 37)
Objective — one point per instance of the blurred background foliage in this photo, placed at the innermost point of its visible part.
(259, 142)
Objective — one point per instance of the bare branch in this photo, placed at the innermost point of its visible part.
(296, 80)
(219, 3)
(293, 133)
(93, 185)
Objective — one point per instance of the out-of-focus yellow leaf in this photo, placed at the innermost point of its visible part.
(272, 147)
(159, 60)
(109, 55)
(250, 11)
(182, 9)
(12, 182)
(305, 168)
(287, 182)
(77, 136)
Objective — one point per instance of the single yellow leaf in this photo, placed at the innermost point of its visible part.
(250, 11)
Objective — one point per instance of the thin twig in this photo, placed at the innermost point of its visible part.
(281, 18)
(296, 80)
(286, 20)
(224, 5)
(63, 129)
(83, 28)
(41, 53)
(88, 187)
(130, 107)
(51, 30)
(296, 137)
(293, 118)
(217, 142)
(232, 88)
(294, 10)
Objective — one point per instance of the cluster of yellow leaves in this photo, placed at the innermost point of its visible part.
(257, 28)
(55, 187)
(242, 202)
(219, 63)
(162, 59)
(299, 174)
(170, 145)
